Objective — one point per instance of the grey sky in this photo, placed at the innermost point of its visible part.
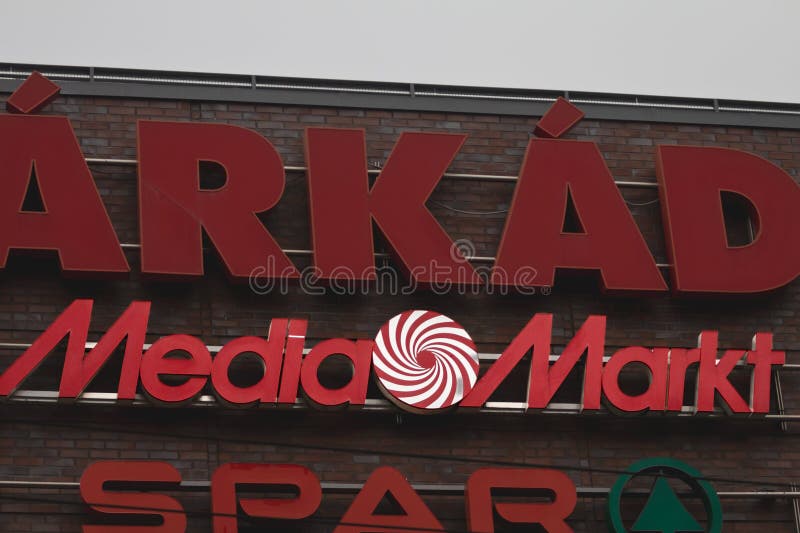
(730, 49)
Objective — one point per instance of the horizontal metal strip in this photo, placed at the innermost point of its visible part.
(452, 175)
(378, 255)
(374, 404)
(634, 184)
(92, 74)
(490, 177)
(484, 357)
(422, 488)
(452, 101)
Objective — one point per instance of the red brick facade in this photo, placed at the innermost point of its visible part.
(55, 443)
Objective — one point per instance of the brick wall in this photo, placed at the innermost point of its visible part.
(55, 443)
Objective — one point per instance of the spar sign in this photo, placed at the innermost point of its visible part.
(423, 362)
(545, 497)
(174, 210)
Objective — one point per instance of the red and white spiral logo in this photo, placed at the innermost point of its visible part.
(424, 360)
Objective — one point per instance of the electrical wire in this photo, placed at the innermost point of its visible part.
(240, 517)
(368, 451)
(642, 204)
(486, 213)
(299, 177)
(205, 514)
(465, 212)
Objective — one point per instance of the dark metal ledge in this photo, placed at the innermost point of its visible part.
(87, 81)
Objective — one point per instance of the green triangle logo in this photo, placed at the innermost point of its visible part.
(664, 512)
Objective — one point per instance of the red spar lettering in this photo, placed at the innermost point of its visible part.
(306, 496)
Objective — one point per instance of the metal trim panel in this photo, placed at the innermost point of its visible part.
(415, 102)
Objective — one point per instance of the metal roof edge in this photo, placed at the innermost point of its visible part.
(88, 81)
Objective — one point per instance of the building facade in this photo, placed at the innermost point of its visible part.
(46, 445)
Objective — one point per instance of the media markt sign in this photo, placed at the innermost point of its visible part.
(422, 361)
(664, 510)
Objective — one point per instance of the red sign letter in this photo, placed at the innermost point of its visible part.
(292, 359)
(355, 392)
(691, 179)
(655, 397)
(155, 364)
(174, 210)
(762, 358)
(342, 205)
(271, 354)
(361, 516)
(546, 378)
(223, 493)
(80, 367)
(551, 516)
(536, 334)
(133, 503)
(74, 221)
(533, 237)
(712, 376)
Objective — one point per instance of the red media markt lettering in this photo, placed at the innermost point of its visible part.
(175, 211)
(423, 362)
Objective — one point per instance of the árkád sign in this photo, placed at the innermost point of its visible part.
(423, 362)
(174, 210)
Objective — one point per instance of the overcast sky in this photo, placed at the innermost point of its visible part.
(728, 49)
